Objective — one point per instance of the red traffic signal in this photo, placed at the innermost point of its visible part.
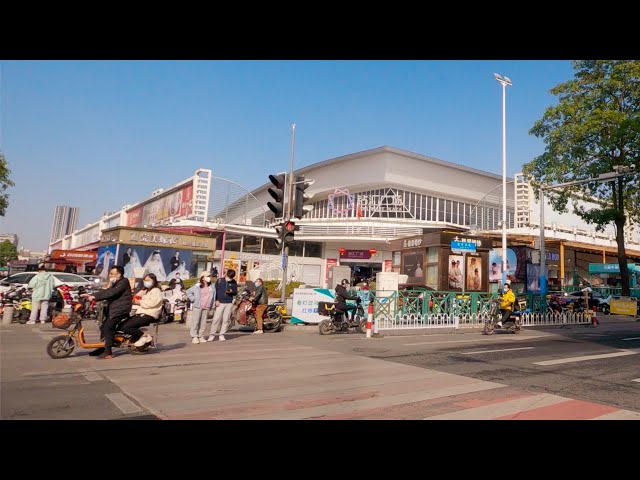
(290, 226)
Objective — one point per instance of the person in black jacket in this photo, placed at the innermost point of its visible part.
(119, 301)
(341, 299)
(226, 288)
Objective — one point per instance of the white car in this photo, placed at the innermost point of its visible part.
(22, 280)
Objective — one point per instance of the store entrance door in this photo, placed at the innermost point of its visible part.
(364, 273)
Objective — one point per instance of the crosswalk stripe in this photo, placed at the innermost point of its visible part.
(585, 358)
(499, 350)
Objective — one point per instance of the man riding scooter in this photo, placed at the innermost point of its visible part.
(507, 302)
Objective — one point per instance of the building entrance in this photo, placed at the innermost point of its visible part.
(364, 273)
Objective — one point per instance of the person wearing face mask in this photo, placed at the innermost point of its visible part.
(202, 296)
(149, 304)
(119, 300)
(506, 303)
(226, 289)
(260, 297)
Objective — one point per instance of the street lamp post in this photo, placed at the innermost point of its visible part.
(603, 177)
(504, 81)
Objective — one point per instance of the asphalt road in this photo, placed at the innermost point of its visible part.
(578, 372)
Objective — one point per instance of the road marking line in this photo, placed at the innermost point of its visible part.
(636, 380)
(500, 350)
(92, 376)
(632, 338)
(586, 357)
(123, 403)
(481, 339)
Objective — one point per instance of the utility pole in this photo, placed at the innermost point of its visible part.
(288, 212)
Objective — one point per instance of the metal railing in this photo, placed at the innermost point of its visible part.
(418, 309)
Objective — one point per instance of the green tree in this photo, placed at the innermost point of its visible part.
(594, 127)
(8, 252)
(5, 182)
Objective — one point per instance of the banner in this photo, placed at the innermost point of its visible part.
(177, 204)
(165, 263)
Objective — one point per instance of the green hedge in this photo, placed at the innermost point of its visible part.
(271, 286)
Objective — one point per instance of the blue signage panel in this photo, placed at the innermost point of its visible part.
(463, 246)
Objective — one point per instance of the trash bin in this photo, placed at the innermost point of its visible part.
(7, 315)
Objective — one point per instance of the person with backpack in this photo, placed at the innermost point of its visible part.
(226, 288)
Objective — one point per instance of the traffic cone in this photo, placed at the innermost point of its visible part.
(594, 318)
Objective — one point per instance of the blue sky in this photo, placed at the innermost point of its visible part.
(101, 134)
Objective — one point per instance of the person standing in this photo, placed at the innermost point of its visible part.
(119, 301)
(42, 284)
(175, 261)
(261, 298)
(202, 296)
(226, 289)
(149, 301)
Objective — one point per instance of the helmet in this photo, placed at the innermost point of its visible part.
(344, 282)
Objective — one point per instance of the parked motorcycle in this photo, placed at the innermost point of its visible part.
(20, 299)
(513, 324)
(244, 312)
(63, 345)
(337, 321)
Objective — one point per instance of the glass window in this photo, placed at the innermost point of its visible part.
(233, 242)
(295, 249)
(269, 247)
(432, 276)
(313, 249)
(251, 244)
(396, 258)
(432, 255)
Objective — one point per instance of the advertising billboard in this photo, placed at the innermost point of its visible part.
(176, 204)
(163, 262)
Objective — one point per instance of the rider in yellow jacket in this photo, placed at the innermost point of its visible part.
(506, 303)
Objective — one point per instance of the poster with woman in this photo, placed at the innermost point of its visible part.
(106, 260)
(474, 273)
(495, 265)
(413, 266)
(138, 261)
(456, 272)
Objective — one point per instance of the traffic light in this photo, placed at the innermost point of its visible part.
(300, 198)
(285, 234)
(279, 181)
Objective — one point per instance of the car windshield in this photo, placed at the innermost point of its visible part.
(70, 277)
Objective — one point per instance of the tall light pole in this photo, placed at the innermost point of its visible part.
(504, 81)
(288, 212)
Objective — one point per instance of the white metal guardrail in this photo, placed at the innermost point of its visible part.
(443, 320)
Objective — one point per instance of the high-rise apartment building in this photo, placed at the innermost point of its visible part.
(64, 222)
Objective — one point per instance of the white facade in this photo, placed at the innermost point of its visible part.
(362, 202)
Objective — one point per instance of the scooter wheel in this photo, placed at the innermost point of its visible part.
(488, 328)
(325, 327)
(140, 350)
(61, 346)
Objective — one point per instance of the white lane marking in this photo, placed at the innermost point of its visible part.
(500, 350)
(123, 403)
(482, 339)
(586, 357)
(632, 338)
(636, 380)
(92, 376)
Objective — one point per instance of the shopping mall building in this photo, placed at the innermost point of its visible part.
(383, 209)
